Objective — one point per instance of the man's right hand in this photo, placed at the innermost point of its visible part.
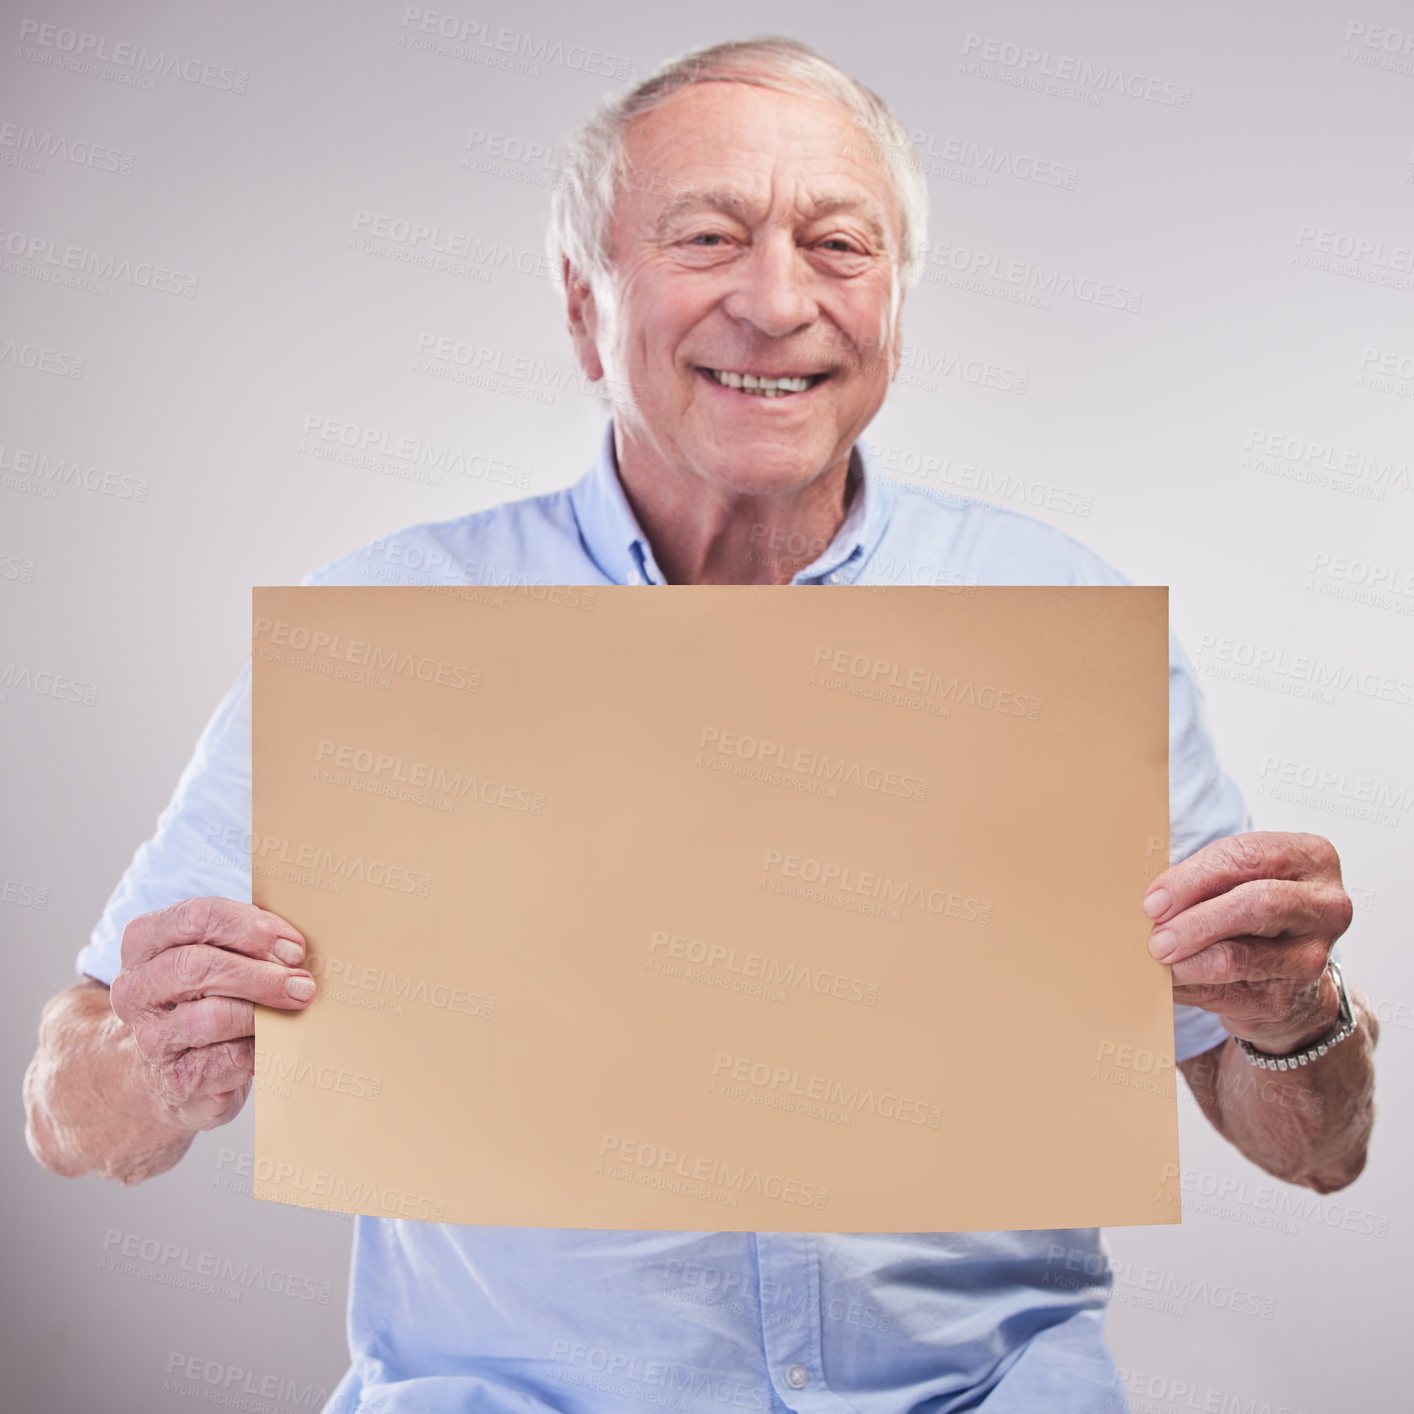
(192, 974)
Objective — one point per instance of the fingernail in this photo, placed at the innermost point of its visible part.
(1158, 903)
(1161, 945)
(301, 989)
(288, 952)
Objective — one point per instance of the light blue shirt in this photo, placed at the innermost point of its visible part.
(502, 1320)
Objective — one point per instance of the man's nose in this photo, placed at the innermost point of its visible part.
(773, 288)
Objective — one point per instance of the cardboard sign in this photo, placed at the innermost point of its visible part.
(717, 908)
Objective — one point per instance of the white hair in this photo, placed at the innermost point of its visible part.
(596, 163)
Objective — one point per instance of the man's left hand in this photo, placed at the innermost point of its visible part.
(1248, 923)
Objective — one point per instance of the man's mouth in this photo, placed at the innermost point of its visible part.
(758, 385)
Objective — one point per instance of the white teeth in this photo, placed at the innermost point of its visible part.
(762, 387)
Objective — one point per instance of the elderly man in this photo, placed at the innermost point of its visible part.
(735, 236)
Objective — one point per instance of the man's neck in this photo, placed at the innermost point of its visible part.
(703, 534)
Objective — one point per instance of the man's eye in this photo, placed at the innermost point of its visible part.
(838, 243)
(712, 236)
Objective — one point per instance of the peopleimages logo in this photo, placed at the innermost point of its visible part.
(278, 1072)
(803, 762)
(1335, 790)
(1280, 1201)
(969, 269)
(1035, 64)
(292, 1183)
(41, 359)
(652, 1158)
(402, 455)
(382, 989)
(228, 1385)
(926, 682)
(316, 866)
(26, 147)
(123, 1251)
(21, 677)
(23, 895)
(325, 649)
(1299, 674)
(777, 978)
(42, 469)
(1318, 463)
(844, 879)
(476, 41)
(45, 257)
(961, 157)
(61, 47)
(785, 1082)
(424, 776)
(921, 367)
(629, 1375)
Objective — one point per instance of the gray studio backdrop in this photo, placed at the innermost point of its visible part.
(1169, 308)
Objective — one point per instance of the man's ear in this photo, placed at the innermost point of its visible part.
(582, 316)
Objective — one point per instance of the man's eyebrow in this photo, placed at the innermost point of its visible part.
(719, 199)
(818, 208)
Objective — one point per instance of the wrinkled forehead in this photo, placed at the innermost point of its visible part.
(754, 153)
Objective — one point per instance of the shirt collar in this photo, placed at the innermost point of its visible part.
(615, 540)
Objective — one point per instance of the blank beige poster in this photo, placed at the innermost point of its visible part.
(717, 908)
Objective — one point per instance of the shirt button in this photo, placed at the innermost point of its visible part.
(833, 578)
(796, 1376)
(635, 577)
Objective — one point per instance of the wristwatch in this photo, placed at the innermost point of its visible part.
(1344, 1027)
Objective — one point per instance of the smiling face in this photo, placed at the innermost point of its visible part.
(749, 319)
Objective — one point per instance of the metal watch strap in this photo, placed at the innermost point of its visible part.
(1344, 1028)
